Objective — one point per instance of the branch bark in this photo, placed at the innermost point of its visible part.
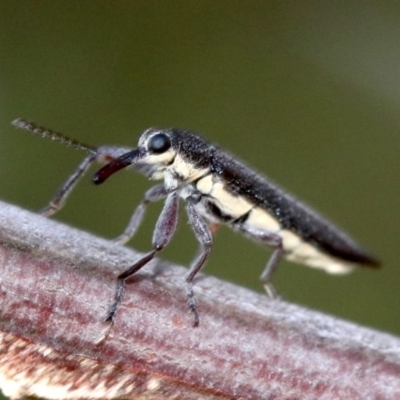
(56, 284)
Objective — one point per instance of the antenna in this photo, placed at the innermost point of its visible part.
(44, 132)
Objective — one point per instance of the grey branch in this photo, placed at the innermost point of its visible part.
(56, 285)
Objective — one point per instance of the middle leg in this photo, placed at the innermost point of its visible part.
(154, 194)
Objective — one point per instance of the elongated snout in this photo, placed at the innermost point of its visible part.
(125, 160)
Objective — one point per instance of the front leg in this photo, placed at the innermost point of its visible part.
(154, 194)
(101, 155)
(59, 199)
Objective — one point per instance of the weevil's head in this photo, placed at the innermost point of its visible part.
(163, 153)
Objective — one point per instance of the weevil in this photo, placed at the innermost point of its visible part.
(217, 189)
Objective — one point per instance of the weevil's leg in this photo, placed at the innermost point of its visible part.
(270, 269)
(163, 232)
(154, 194)
(58, 201)
(102, 155)
(275, 241)
(204, 236)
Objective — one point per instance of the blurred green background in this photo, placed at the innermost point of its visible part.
(306, 91)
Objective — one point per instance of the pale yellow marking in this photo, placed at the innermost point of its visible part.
(261, 219)
(289, 239)
(186, 170)
(162, 159)
(308, 255)
(229, 203)
(204, 185)
(306, 251)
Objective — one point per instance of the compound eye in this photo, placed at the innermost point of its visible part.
(159, 143)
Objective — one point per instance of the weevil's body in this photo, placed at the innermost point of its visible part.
(229, 192)
(217, 188)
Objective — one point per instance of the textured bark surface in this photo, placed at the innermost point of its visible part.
(56, 284)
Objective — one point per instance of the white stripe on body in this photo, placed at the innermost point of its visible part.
(296, 249)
